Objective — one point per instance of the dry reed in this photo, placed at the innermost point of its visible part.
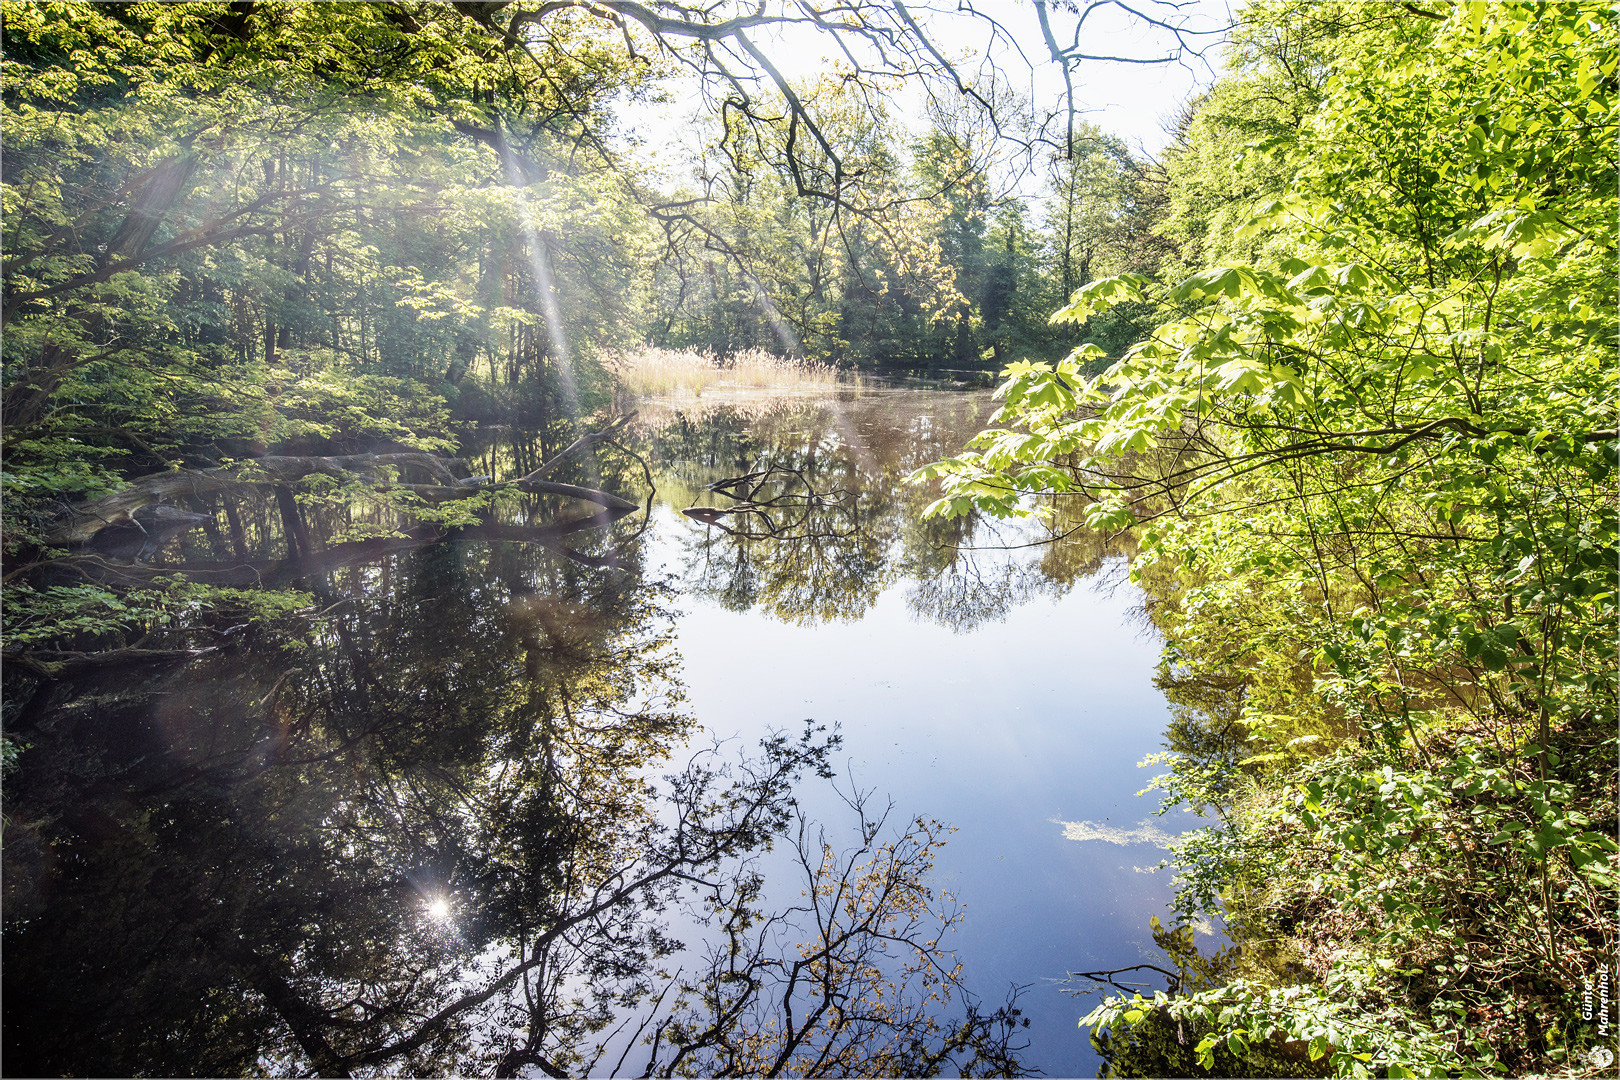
(659, 373)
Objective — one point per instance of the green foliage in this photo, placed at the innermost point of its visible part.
(10, 750)
(1195, 971)
(1372, 477)
(229, 231)
(1155, 1043)
(64, 614)
(1248, 1030)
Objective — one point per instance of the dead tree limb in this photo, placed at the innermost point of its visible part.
(749, 493)
(86, 519)
(1107, 978)
(588, 439)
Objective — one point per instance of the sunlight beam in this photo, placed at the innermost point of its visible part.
(546, 282)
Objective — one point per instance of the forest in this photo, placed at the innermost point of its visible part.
(322, 321)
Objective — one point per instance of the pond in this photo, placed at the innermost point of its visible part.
(454, 805)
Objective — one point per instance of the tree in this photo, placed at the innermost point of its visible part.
(1088, 202)
(228, 226)
(1092, 219)
(1390, 452)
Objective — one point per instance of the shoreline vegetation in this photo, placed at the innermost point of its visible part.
(692, 381)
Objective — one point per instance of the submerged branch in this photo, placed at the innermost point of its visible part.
(1107, 979)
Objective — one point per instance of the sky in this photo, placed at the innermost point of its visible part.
(1134, 101)
(1137, 102)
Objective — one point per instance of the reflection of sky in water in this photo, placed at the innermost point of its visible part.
(1024, 734)
(371, 797)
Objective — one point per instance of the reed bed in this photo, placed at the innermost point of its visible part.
(661, 373)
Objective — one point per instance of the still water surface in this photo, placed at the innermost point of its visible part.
(1006, 692)
(337, 824)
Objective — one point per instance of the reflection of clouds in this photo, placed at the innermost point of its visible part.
(1145, 833)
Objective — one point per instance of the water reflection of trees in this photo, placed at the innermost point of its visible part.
(413, 829)
(832, 561)
(973, 592)
(417, 826)
(847, 953)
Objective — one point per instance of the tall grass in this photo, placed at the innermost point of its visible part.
(651, 372)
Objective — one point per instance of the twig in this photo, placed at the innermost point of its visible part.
(1107, 977)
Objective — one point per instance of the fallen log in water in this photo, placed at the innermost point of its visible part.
(88, 518)
(279, 573)
(144, 532)
(53, 664)
(121, 509)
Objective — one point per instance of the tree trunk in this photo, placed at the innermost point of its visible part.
(157, 198)
(299, 543)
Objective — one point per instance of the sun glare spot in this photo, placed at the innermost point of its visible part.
(439, 908)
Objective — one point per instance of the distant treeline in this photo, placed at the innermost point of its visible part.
(316, 225)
